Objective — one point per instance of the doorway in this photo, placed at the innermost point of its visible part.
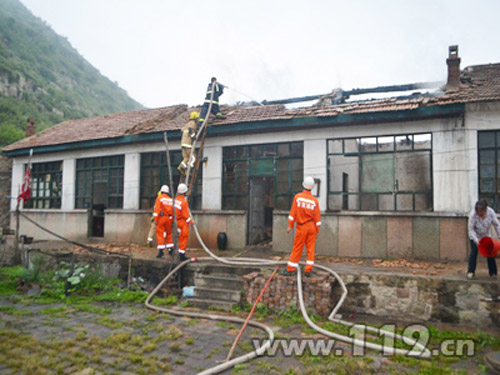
(260, 213)
(96, 213)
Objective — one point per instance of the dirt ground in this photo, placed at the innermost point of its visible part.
(416, 267)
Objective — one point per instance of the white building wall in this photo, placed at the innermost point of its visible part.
(478, 117)
(131, 181)
(315, 155)
(212, 179)
(454, 158)
(450, 151)
(16, 182)
(68, 184)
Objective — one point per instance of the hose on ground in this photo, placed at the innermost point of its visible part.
(423, 352)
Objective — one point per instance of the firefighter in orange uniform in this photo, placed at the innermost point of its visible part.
(164, 215)
(306, 214)
(152, 228)
(183, 220)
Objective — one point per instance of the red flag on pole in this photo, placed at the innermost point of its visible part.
(26, 187)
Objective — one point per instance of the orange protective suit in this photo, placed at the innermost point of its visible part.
(306, 214)
(183, 222)
(164, 215)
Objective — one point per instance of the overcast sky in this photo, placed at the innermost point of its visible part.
(164, 52)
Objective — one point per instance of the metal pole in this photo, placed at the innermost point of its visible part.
(175, 235)
(230, 354)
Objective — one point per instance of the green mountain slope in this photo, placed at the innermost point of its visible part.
(43, 76)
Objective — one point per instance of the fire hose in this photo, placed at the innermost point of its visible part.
(422, 351)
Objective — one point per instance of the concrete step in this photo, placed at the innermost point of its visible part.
(207, 303)
(222, 269)
(217, 295)
(229, 282)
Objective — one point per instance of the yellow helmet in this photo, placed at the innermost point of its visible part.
(194, 115)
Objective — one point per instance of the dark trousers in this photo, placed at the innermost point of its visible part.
(492, 265)
(204, 110)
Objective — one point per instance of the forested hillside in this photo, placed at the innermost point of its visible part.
(44, 77)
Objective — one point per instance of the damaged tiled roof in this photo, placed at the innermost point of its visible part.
(478, 83)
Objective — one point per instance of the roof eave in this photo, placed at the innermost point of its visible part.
(295, 123)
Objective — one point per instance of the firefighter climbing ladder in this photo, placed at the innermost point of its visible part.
(203, 133)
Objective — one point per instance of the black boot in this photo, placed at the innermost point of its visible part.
(160, 254)
(182, 257)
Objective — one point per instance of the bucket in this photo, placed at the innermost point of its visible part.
(488, 247)
(188, 291)
(221, 241)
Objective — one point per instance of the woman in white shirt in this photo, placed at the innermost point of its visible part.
(481, 219)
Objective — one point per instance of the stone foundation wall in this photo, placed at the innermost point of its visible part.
(282, 291)
(422, 298)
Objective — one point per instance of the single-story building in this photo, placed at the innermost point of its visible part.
(396, 175)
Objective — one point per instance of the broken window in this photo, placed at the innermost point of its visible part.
(281, 164)
(489, 167)
(154, 174)
(105, 172)
(46, 185)
(384, 173)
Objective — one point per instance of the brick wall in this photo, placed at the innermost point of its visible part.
(282, 291)
(5, 178)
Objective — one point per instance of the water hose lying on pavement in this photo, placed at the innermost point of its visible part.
(418, 349)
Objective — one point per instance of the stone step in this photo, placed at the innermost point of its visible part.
(229, 282)
(208, 303)
(217, 295)
(222, 269)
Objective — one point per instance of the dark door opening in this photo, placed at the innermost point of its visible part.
(96, 215)
(260, 213)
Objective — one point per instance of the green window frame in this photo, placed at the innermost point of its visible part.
(488, 144)
(108, 169)
(154, 174)
(46, 185)
(380, 173)
(284, 162)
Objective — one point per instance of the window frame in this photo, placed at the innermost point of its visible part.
(162, 167)
(394, 151)
(103, 165)
(262, 152)
(492, 197)
(54, 169)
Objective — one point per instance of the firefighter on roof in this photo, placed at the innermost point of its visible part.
(164, 215)
(306, 215)
(218, 91)
(188, 134)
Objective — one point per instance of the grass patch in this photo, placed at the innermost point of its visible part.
(173, 333)
(109, 322)
(15, 311)
(165, 301)
(57, 311)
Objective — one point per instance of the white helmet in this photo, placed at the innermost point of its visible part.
(308, 183)
(165, 189)
(182, 189)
